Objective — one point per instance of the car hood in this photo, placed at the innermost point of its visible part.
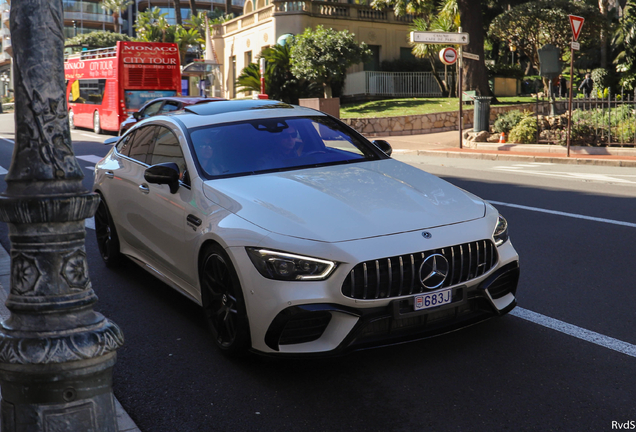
(346, 202)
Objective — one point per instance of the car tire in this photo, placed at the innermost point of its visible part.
(71, 120)
(223, 302)
(97, 128)
(106, 234)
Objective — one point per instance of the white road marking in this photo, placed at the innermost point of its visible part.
(572, 215)
(90, 223)
(564, 174)
(3, 171)
(577, 332)
(7, 140)
(90, 158)
(90, 168)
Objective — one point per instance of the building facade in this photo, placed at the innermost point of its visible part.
(239, 42)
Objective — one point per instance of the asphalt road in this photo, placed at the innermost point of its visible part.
(563, 361)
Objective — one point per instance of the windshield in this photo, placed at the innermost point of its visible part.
(136, 98)
(276, 144)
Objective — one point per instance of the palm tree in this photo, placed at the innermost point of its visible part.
(185, 38)
(152, 26)
(116, 7)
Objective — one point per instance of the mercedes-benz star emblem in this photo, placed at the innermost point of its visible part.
(433, 271)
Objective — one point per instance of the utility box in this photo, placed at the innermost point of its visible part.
(481, 119)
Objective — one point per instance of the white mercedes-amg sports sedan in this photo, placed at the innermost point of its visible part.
(296, 234)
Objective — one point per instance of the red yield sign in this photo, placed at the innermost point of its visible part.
(448, 56)
(577, 23)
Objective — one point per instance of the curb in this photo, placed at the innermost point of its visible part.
(509, 156)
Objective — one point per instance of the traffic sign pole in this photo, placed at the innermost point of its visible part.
(576, 23)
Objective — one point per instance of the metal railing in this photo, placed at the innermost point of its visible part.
(608, 120)
(393, 84)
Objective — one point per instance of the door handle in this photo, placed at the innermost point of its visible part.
(193, 220)
(109, 174)
(144, 188)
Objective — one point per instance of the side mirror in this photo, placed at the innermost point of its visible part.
(384, 146)
(136, 115)
(164, 173)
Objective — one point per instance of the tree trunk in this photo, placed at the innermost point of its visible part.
(443, 86)
(193, 8)
(602, 6)
(177, 11)
(475, 74)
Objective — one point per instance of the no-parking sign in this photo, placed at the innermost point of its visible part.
(448, 56)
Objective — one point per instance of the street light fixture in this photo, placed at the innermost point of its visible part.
(56, 352)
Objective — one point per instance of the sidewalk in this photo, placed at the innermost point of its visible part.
(124, 422)
(446, 144)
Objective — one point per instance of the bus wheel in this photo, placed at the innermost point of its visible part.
(96, 126)
(71, 121)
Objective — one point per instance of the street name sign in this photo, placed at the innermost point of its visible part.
(575, 45)
(440, 38)
(576, 22)
(470, 56)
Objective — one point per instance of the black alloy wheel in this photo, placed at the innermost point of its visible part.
(223, 302)
(107, 240)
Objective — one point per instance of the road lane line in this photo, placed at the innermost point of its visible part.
(7, 140)
(90, 223)
(577, 332)
(572, 215)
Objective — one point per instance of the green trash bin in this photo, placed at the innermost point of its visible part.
(481, 120)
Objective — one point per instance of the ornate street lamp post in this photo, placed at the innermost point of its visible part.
(56, 353)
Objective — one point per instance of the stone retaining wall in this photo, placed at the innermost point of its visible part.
(425, 123)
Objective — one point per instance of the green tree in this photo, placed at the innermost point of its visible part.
(624, 41)
(446, 20)
(116, 7)
(280, 83)
(152, 26)
(97, 39)
(531, 25)
(186, 38)
(324, 55)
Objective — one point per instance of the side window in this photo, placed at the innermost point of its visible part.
(169, 106)
(123, 146)
(141, 143)
(167, 149)
(151, 109)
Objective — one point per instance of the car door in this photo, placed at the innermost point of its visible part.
(164, 215)
(124, 191)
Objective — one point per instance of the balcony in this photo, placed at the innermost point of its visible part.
(86, 16)
(325, 9)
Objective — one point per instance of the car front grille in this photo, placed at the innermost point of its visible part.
(400, 275)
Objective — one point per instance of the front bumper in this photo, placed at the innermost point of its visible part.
(316, 318)
(397, 322)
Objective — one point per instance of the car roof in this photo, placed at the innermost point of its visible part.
(189, 100)
(237, 110)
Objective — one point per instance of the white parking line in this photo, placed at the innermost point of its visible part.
(572, 215)
(90, 223)
(7, 140)
(577, 332)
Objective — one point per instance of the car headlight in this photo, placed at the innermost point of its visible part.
(289, 267)
(501, 231)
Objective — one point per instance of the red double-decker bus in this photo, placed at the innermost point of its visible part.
(105, 85)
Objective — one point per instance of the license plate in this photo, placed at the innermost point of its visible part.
(438, 298)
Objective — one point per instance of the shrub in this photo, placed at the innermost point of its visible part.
(525, 132)
(506, 121)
